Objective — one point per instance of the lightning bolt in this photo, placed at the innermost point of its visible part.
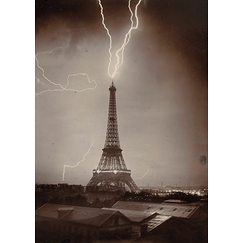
(119, 55)
(58, 85)
(143, 175)
(73, 166)
(120, 51)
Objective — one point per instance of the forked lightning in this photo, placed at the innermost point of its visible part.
(58, 85)
(120, 51)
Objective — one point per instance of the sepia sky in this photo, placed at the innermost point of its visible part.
(162, 89)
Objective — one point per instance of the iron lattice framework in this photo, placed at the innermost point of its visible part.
(112, 171)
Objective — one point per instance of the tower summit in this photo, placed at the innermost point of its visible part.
(112, 172)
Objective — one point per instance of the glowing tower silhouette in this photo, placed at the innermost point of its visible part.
(112, 172)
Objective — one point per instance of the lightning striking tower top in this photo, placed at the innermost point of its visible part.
(112, 172)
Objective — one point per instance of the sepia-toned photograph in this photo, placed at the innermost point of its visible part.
(121, 121)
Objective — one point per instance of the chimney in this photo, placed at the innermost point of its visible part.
(143, 230)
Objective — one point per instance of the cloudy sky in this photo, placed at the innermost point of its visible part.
(162, 89)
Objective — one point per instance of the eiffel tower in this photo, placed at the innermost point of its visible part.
(112, 172)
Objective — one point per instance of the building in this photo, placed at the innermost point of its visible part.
(179, 210)
(55, 222)
(144, 222)
(171, 221)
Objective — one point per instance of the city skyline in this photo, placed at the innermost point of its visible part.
(161, 90)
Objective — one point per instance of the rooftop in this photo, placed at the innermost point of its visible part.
(166, 209)
(153, 220)
(83, 215)
(134, 215)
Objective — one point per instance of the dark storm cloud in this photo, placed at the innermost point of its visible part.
(74, 11)
(71, 12)
(75, 19)
(183, 25)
